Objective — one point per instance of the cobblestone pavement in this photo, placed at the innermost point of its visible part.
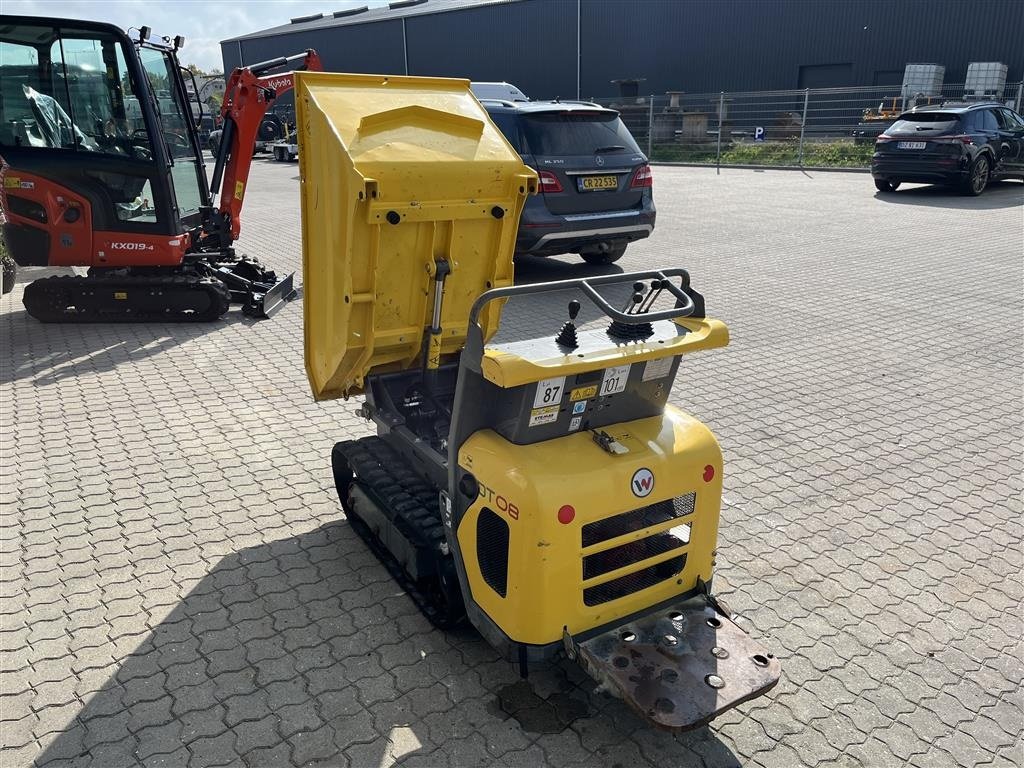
(179, 586)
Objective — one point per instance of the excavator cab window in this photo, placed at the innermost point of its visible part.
(177, 127)
(68, 94)
(70, 90)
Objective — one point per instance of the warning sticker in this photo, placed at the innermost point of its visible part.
(615, 380)
(239, 189)
(656, 369)
(574, 424)
(579, 407)
(583, 393)
(549, 392)
(545, 415)
(12, 182)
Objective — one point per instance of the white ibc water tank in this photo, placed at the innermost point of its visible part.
(985, 78)
(923, 79)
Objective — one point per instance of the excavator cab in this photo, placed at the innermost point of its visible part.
(110, 118)
(103, 168)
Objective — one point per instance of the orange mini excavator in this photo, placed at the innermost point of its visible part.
(103, 168)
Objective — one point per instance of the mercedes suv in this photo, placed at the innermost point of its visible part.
(960, 145)
(595, 193)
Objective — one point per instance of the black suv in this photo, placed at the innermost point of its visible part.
(595, 192)
(962, 145)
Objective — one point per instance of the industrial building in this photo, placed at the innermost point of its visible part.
(576, 48)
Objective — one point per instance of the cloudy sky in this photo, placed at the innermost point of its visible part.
(204, 23)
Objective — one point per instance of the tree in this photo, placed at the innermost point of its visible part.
(200, 72)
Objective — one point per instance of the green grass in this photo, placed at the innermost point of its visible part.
(818, 154)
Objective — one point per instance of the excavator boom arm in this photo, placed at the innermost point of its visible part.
(249, 94)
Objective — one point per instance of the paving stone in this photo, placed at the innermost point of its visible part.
(174, 759)
(280, 754)
(298, 717)
(313, 746)
(118, 754)
(218, 750)
(256, 734)
(159, 740)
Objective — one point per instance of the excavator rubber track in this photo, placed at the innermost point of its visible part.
(384, 499)
(126, 299)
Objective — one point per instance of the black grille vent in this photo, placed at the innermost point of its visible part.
(633, 582)
(492, 550)
(602, 562)
(645, 517)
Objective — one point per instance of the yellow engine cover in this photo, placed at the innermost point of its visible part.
(625, 546)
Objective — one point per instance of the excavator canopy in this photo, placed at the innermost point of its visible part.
(397, 175)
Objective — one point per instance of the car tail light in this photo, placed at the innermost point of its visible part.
(642, 177)
(960, 139)
(549, 182)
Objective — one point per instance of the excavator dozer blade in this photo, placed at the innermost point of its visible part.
(282, 292)
(679, 667)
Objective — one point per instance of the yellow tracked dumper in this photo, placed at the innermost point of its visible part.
(542, 489)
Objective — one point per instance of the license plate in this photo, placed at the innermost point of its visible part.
(590, 183)
(912, 144)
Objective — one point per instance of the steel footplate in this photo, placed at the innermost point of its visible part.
(680, 667)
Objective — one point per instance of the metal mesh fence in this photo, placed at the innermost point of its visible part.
(833, 127)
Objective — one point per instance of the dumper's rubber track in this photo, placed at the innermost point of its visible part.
(414, 506)
(126, 299)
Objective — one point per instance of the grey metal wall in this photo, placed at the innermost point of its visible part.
(375, 47)
(531, 44)
(691, 45)
(712, 45)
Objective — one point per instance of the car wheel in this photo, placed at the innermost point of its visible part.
(603, 258)
(977, 177)
(882, 185)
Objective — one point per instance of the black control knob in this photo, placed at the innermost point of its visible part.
(567, 336)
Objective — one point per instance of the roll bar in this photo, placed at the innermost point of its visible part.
(688, 302)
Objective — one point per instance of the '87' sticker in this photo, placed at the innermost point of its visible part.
(549, 392)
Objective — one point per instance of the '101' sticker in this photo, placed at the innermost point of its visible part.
(615, 379)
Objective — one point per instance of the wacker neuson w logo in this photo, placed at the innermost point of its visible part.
(642, 483)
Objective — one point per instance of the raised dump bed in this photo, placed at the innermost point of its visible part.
(398, 174)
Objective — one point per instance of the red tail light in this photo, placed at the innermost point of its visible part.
(549, 182)
(642, 177)
(963, 138)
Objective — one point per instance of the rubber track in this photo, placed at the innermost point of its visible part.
(45, 299)
(386, 477)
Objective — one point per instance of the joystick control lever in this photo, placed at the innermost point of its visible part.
(637, 304)
(567, 336)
